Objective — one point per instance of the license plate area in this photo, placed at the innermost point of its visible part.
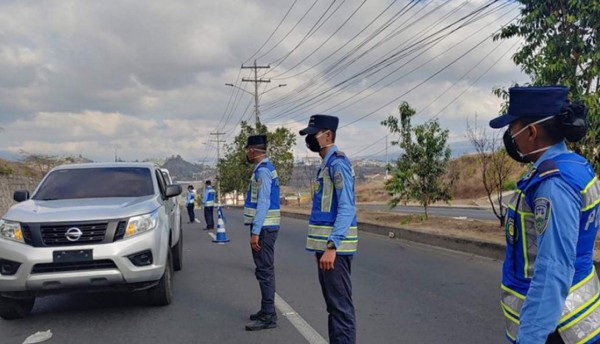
(72, 256)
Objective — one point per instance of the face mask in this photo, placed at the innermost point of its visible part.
(511, 146)
(313, 144)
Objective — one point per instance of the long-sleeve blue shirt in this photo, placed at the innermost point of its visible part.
(346, 209)
(191, 197)
(264, 177)
(207, 191)
(555, 262)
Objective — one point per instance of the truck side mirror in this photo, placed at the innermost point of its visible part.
(173, 190)
(21, 195)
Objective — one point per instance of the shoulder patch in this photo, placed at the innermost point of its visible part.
(542, 211)
(511, 234)
(338, 180)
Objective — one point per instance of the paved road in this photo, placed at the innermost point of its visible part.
(472, 213)
(404, 293)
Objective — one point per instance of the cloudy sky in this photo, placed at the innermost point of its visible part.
(147, 78)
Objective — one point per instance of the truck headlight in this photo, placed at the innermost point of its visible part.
(11, 230)
(141, 224)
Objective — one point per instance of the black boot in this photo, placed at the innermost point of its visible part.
(263, 322)
(256, 315)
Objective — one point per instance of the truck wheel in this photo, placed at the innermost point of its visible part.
(178, 253)
(15, 308)
(162, 294)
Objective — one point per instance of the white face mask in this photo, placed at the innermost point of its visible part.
(527, 126)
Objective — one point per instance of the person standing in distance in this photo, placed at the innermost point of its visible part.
(208, 201)
(190, 203)
(333, 229)
(550, 290)
(262, 214)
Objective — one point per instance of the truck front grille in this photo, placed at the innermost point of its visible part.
(56, 235)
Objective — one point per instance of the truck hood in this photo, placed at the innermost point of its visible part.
(90, 209)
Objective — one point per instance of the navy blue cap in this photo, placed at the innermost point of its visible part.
(543, 101)
(256, 140)
(318, 122)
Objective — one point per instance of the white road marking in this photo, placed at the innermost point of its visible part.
(212, 235)
(197, 221)
(309, 333)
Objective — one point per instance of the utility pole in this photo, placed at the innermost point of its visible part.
(386, 157)
(218, 141)
(256, 81)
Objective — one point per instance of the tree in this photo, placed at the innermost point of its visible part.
(496, 167)
(418, 172)
(41, 162)
(234, 172)
(561, 47)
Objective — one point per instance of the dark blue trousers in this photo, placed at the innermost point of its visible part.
(337, 291)
(190, 209)
(265, 269)
(209, 218)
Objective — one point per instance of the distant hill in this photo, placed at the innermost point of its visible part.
(185, 170)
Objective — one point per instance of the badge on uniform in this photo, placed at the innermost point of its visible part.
(542, 211)
(338, 180)
(510, 231)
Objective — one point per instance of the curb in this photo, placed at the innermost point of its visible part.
(480, 248)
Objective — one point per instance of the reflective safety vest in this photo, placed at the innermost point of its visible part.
(210, 198)
(324, 212)
(580, 319)
(273, 218)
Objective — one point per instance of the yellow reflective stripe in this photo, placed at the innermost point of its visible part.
(524, 241)
(327, 194)
(325, 231)
(583, 281)
(591, 205)
(576, 320)
(505, 306)
(511, 336)
(578, 309)
(589, 185)
(549, 172)
(514, 293)
(590, 336)
(510, 317)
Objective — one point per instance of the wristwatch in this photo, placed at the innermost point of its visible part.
(331, 245)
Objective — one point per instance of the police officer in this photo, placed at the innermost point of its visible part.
(550, 291)
(262, 214)
(189, 202)
(208, 201)
(332, 229)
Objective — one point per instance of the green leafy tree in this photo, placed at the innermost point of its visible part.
(561, 47)
(418, 173)
(235, 173)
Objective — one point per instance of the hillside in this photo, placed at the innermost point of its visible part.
(184, 170)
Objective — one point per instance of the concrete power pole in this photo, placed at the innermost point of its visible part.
(256, 81)
(218, 141)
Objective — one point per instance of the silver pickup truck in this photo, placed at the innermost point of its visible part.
(91, 227)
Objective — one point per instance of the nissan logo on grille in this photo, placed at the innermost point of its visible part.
(73, 234)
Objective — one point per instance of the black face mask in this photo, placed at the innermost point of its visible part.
(248, 161)
(312, 143)
(511, 148)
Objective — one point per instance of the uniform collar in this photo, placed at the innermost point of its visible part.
(553, 151)
(332, 150)
(261, 162)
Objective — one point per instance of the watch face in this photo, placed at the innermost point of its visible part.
(330, 244)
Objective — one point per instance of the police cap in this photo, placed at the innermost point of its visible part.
(256, 140)
(318, 122)
(539, 101)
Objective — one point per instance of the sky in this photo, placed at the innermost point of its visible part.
(146, 79)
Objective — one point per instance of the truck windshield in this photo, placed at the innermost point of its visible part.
(96, 183)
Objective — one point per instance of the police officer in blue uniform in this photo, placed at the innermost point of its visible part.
(190, 202)
(550, 291)
(208, 201)
(332, 229)
(262, 214)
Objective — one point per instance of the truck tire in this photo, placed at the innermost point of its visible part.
(178, 253)
(15, 308)
(162, 293)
